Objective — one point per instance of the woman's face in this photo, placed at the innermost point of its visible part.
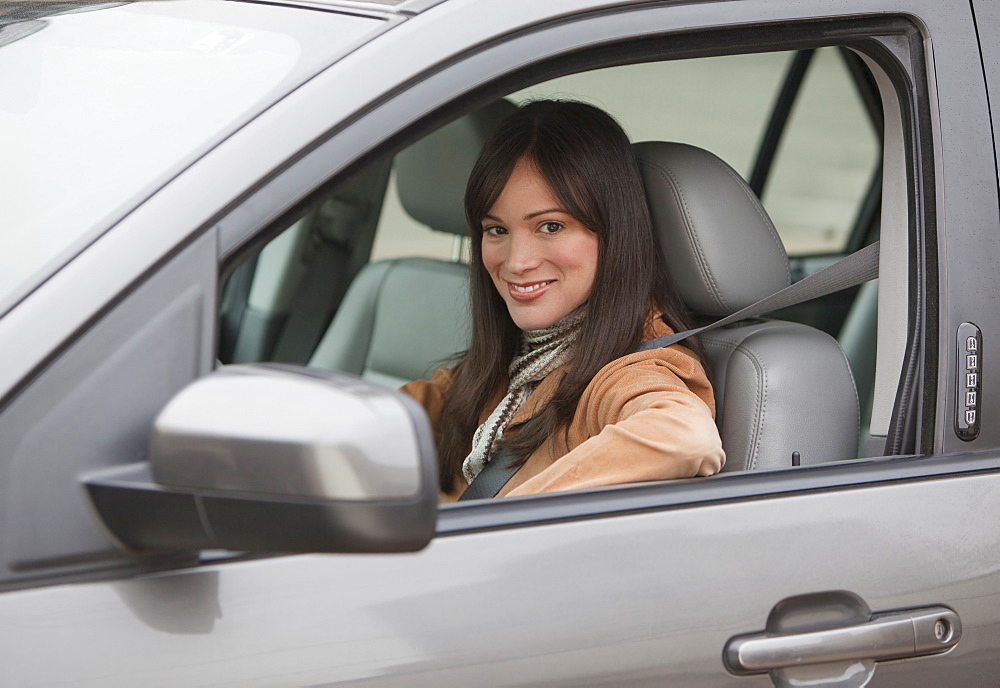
(542, 260)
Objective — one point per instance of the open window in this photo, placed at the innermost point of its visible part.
(361, 280)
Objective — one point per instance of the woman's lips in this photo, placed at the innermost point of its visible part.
(528, 291)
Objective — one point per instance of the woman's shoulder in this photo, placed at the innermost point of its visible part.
(676, 358)
(657, 368)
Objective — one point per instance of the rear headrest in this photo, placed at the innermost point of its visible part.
(721, 248)
(432, 173)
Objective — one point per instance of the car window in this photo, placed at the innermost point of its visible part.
(718, 103)
(721, 104)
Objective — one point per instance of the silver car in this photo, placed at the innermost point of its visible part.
(230, 230)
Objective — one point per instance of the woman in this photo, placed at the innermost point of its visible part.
(567, 281)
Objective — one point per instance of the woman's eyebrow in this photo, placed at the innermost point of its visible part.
(494, 218)
(543, 212)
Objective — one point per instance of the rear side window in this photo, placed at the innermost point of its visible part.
(828, 148)
(828, 156)
(721, 104)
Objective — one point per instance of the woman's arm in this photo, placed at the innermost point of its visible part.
(646, 419)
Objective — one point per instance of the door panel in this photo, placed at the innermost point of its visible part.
(640, 600)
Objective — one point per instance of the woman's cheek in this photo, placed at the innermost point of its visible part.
(492, 258)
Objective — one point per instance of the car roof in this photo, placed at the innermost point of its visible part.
(401, 7)
(23, 10)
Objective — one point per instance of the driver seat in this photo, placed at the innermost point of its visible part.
(780, 387)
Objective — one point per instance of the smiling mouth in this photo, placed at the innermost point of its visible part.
(528, 288)
(528, 291)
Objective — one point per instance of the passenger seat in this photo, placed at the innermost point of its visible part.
(402, 318)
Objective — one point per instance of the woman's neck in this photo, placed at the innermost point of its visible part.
(570, 322)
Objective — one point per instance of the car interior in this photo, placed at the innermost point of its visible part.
(779, 159)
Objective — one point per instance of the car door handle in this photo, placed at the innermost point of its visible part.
(890, 635)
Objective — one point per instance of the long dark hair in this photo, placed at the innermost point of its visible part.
(589, 164)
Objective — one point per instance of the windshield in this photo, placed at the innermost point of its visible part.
(99, 107)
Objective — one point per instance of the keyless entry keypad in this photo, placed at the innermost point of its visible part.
(969, 381)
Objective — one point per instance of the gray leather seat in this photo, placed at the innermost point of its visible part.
(401, 319)
(780, 387)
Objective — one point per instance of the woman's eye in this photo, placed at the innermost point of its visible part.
(551, 227)
(494, 230)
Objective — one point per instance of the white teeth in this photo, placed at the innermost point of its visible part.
(533, 287)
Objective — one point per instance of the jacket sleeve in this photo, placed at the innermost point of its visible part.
(644, 422)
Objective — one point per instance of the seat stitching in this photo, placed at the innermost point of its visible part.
(760, 403)
(843, 357)
(703, 266)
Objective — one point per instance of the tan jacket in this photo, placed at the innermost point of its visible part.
(645, 416)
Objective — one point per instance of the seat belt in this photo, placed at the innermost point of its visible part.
(850, 271)
(316, 299)
(491, 479)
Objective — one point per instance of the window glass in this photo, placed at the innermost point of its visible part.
(723, 104)
(95, 106)
(824, 163)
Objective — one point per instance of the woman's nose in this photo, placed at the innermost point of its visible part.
(522, 254)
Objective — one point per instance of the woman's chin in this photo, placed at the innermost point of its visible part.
(533, 319)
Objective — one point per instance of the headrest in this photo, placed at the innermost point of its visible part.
(721, 248)
(432, 173)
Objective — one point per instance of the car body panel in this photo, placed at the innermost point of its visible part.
(968, 225)
(632, 600)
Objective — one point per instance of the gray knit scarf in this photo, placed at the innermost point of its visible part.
(541, 352)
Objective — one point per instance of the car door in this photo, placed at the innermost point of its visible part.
(636, 585)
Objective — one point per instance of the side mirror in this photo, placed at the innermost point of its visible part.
(278, 458)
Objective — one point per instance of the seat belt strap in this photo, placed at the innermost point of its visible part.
(857, 268)
(491, 479)
(315, 302)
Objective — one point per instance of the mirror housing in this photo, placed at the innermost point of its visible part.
(278, 458)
